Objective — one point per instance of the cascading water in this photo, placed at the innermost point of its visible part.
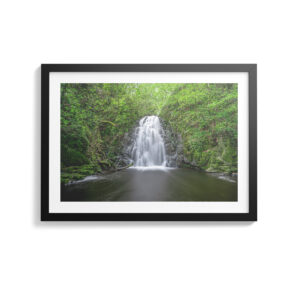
(149, 149)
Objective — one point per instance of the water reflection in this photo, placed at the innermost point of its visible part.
(152, 185)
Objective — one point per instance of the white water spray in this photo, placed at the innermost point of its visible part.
(149, 148)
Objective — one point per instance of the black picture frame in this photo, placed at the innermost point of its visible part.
(251, 69)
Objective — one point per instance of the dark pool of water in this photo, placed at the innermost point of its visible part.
(152, 185)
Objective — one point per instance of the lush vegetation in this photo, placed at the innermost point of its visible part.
(96, 117)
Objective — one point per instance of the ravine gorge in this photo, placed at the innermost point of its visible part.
(111, 127)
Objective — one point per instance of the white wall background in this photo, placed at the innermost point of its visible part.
(150, 261)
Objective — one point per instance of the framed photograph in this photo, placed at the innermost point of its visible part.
(153, 142)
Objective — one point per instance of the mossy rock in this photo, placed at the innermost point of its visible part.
(73, 173)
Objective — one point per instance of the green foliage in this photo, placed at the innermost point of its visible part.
(95, 118)
(72, 157)
(206, 117)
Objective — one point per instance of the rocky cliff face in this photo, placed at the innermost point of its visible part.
(213, 160)
(128, 141)
(173, 144)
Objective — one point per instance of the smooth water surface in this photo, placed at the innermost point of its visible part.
(152, 184)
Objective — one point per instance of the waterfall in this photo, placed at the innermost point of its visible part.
(149, 149)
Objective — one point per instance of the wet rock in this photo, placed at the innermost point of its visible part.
(173, 145)
(127, 146)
